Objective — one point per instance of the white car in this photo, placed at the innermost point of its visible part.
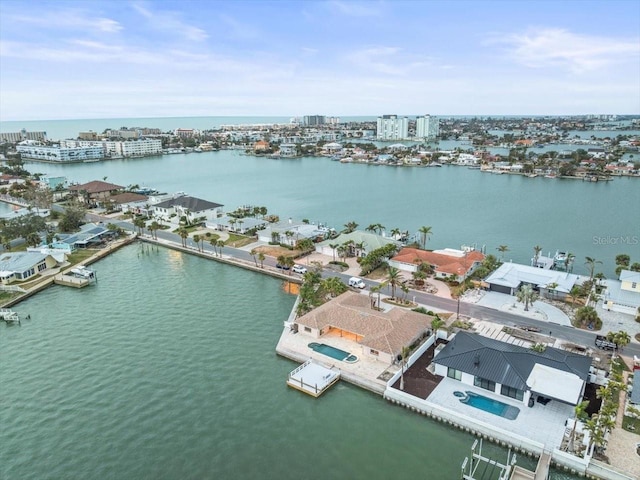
(299, 269)
(356, 282)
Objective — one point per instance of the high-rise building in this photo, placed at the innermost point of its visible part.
(390, 127)
(427, 127)
(23, 135)
(310, 120)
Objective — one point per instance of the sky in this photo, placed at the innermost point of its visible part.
(119, 58)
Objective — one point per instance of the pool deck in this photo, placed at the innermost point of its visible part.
(366, 373)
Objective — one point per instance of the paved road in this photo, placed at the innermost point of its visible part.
(571, 334)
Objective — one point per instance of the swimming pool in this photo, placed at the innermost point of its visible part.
(333, 352)
(488, 405)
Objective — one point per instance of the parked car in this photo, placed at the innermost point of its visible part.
(283, 267)
(299, 269)
(356, 282)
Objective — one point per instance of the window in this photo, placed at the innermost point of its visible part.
(374, 352)
(307, 329)
(512, 392)
(453, 373)
(484, 383)
(634, 285)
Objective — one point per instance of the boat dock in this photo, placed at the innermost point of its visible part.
(312, 378)
(9, 316)
(76, 277)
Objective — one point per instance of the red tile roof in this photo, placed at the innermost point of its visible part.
(449, 264)
(96, 187)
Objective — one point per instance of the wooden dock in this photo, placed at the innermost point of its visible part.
(312, 378)
(71, 281)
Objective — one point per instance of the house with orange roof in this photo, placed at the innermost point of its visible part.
(446, 262)
(378, 335)
(95, 192)
(524, 142)
(260, 146)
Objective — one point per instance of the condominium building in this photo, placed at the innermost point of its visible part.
(310, 120)
(15, 137)
(391, 127)
(59, 153)
(134, 148)
(427, 127)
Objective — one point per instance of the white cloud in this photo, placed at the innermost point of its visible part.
(170, 22)
(561, 48)
(68, 19)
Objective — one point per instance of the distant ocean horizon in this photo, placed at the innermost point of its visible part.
(69, 128)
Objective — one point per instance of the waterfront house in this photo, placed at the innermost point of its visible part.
(185, 207)
(509, 277)
(261, 146)
(129, 201)
(290, 232)
(20, 266)
(623, 295)
(238, 225)
(89, 235)
(378, 335)
(514, 371)
(446, 263)
(358, 243)
(95, 192)
(287, 150)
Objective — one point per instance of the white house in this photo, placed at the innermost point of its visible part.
(191, 208)
(623, 295)
(290, 232)
(510, 276)
(513, 371)
(16, 266)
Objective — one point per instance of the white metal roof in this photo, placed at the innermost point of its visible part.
(553, 383)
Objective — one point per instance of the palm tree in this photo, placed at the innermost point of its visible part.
(590, 263)
(536, 253)
(33, 239)
(253, 253)
(184, 234)
(261, 257)
(393, 279)
(371, 228)
(139, 224)
(621, 339)
(527, 296)
(350, 226)
(568, 265)
(289, 262)
(395, 233)
(425, 233)
(502, 249)
(220, 244)
(581, 414)
(196, 238)
(154, 229)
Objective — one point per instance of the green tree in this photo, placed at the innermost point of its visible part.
(591, 263)
(502, 249)
(580, 411)
(536, 253)
(261, 257)
(220, 244)
(333, 247)
(139, 223)
(153, 228)
(393, 279)
(72, 218)
(196, 239)
(587, 316)
(254, 253)
(184, 234)
(350, 227)
(425, 234)
(527, 296)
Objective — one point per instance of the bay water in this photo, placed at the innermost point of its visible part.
(463, 206)
(166, 369)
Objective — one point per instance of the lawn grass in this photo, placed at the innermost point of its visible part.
(631, 424)
(237, 241)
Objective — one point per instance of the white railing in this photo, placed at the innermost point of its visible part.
(299, 368)
(11, 288)
(412, 359)
(607, 472)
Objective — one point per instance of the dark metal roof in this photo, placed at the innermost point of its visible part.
(504, 363)
(192, 203)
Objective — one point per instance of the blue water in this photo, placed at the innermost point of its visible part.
(489, 405)
(332, 352)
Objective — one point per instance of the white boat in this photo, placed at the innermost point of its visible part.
(83, 272)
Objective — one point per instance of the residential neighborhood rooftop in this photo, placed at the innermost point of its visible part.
(96, 186)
